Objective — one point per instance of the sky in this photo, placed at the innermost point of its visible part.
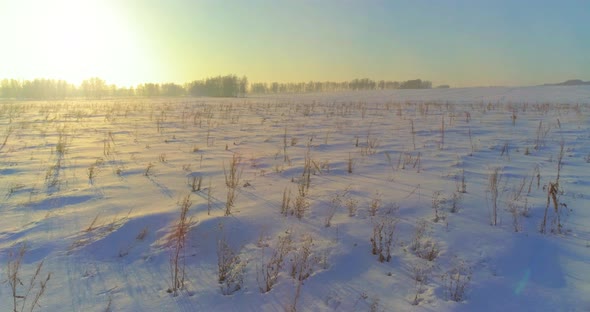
(457, 42)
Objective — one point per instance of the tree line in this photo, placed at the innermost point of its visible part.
(220, 86)
(329, 86)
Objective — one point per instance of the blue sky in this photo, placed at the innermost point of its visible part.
(461, 43)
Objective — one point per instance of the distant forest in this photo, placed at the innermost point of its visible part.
(220, 86)
(572, 82)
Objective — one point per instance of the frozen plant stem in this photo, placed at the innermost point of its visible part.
(493, 183)
(442, 132)
(32, 292)
(285, 157)
(209, 199)
(178, 243)
(413, 133)
(232, 181)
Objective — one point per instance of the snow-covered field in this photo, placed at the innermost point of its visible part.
(94, 189)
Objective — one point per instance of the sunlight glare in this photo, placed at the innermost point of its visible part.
(86, 38)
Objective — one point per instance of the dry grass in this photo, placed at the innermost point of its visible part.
(230, 273)
(375, 204)
(232, 175)
(267, 273)
(350, 163)
(382, 238)
(93, 224)
(423, 245)
(421, 271)
(303, 262)
(25, 296)
(9, 131)
(456, 281)
(300, 205)
(177, 241)
(195, 183)
(285, 203)
(351, 205)
(493, 185)
(437, 200)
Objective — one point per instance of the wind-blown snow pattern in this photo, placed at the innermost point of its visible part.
(93, 189)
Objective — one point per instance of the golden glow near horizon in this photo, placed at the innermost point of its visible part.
(127, 42)
(73, 40)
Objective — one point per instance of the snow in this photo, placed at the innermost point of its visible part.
(106, 240)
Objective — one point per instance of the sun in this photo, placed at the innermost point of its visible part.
(74, 40)
(87, 38)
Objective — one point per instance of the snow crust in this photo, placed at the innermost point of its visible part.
(87, 230)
